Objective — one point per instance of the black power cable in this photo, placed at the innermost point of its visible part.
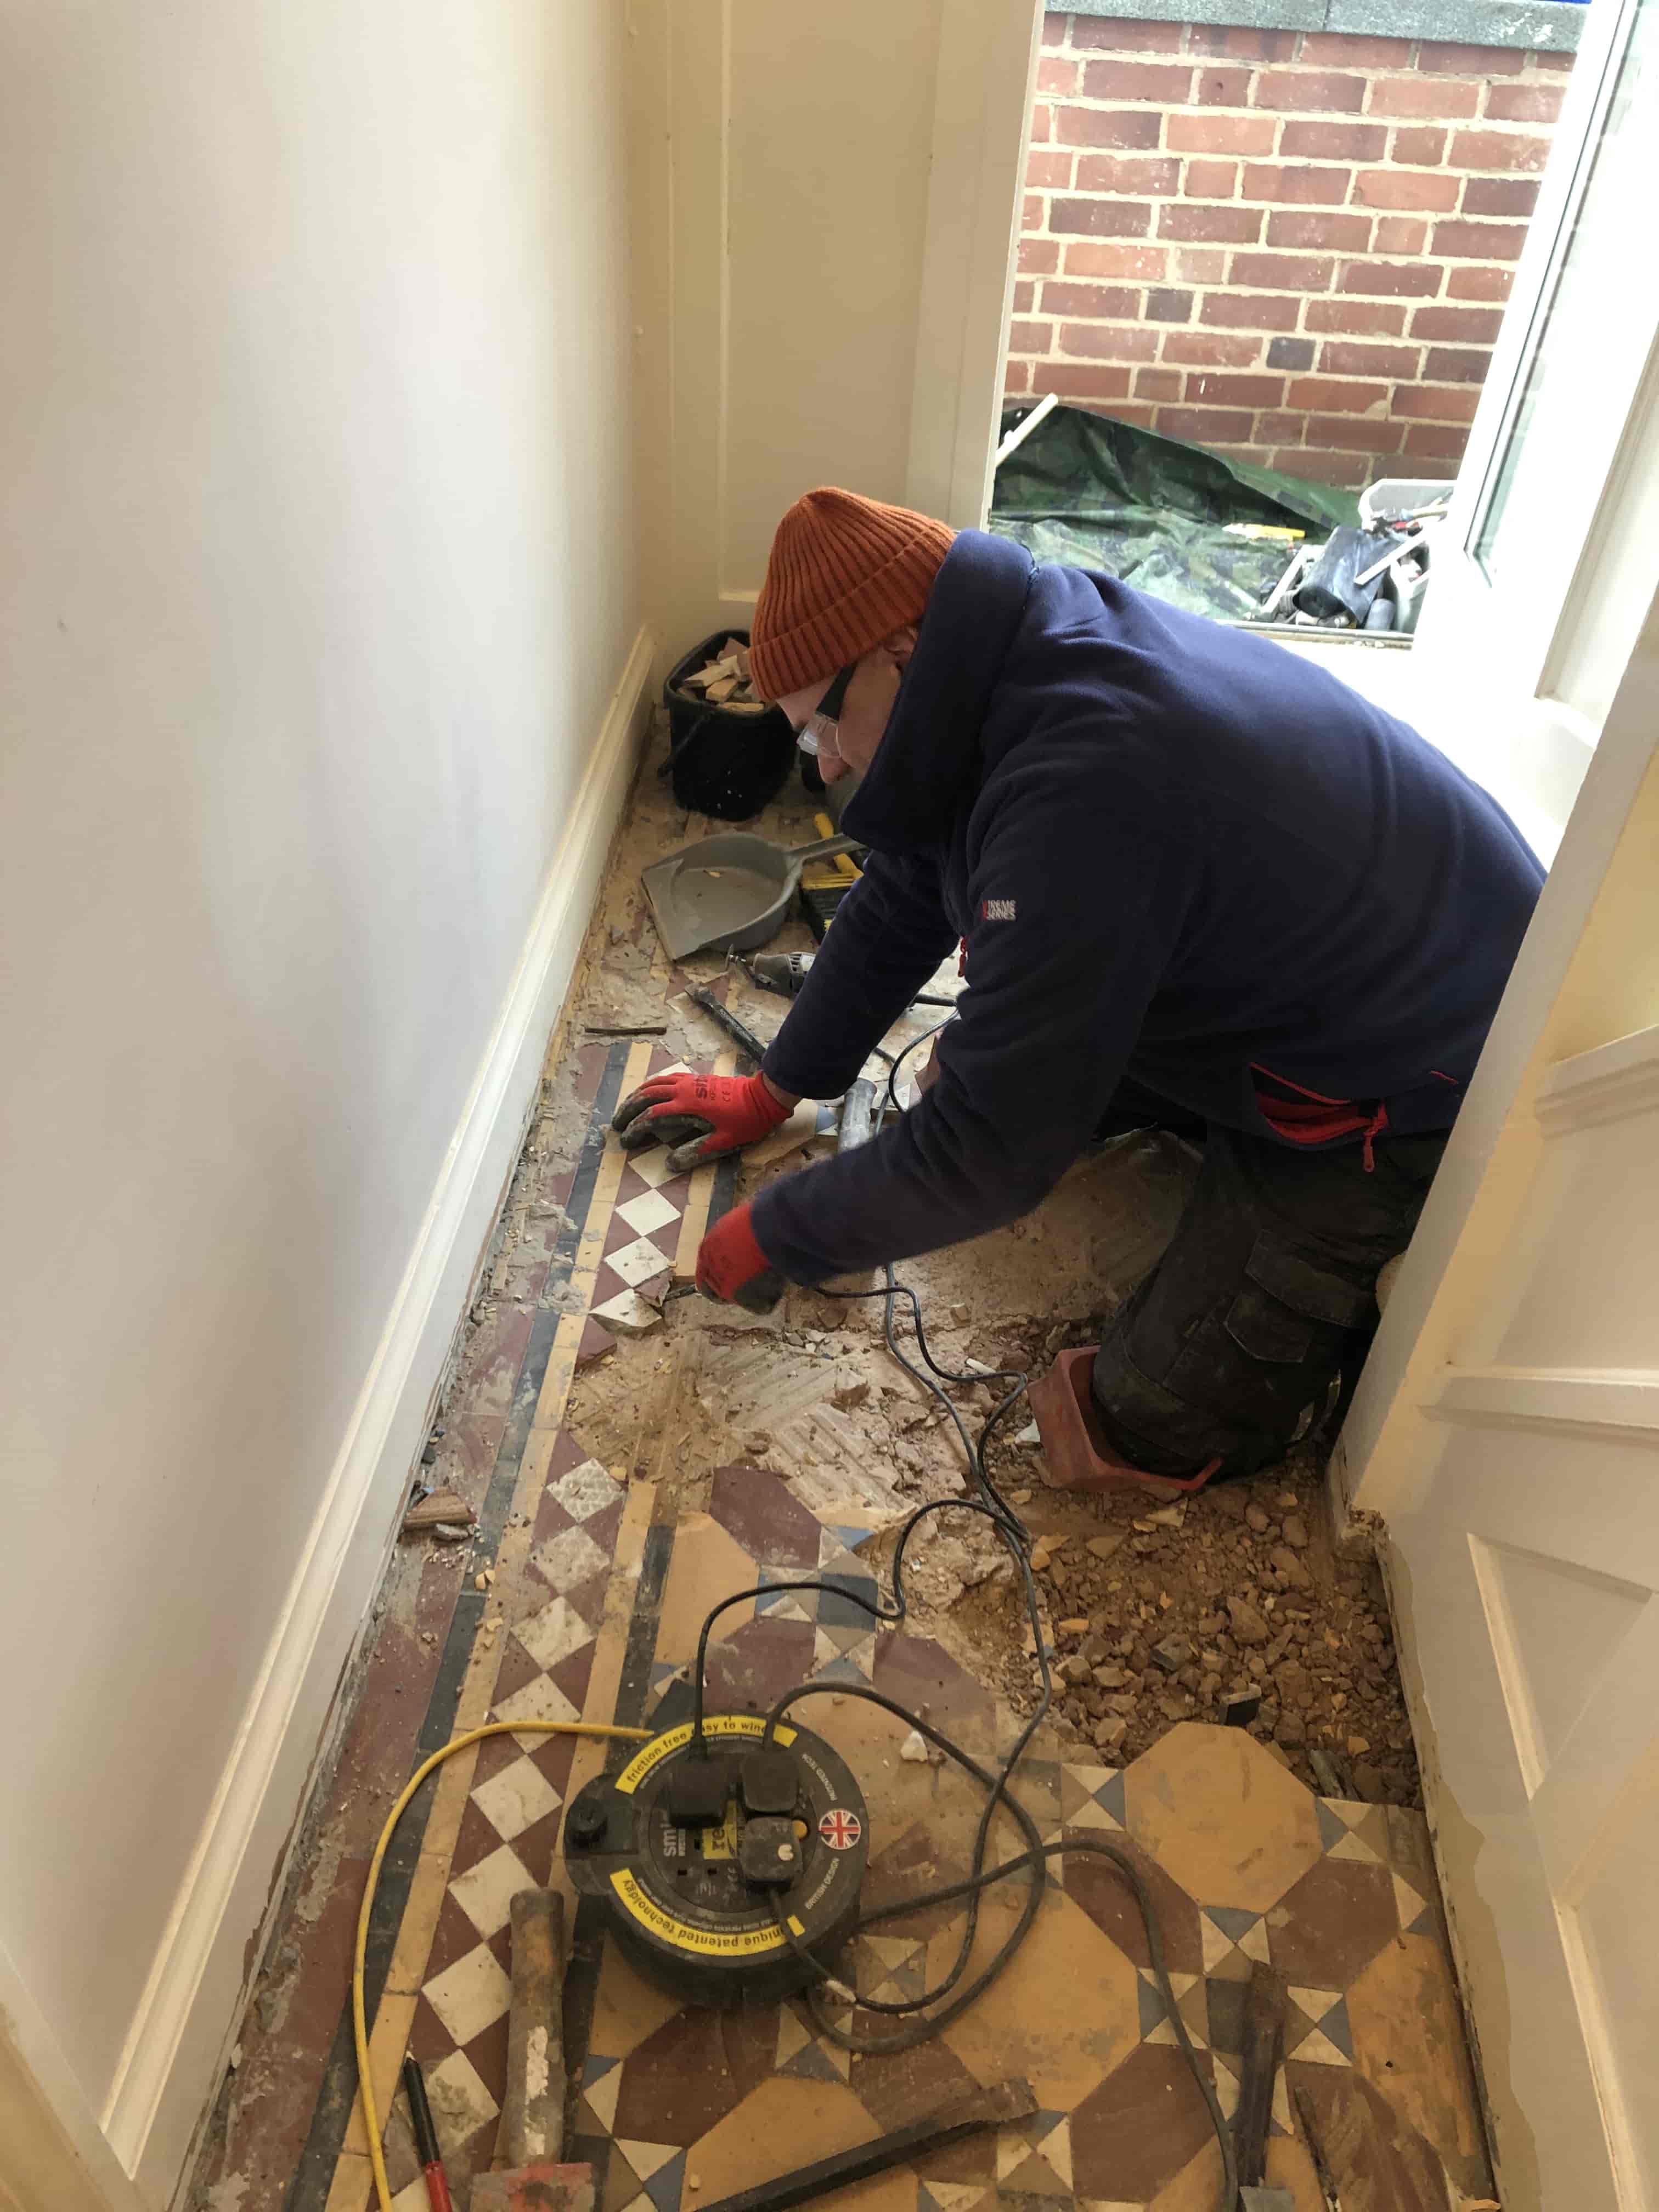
(949, 2000)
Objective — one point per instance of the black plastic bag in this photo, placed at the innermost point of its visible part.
(1088, 492)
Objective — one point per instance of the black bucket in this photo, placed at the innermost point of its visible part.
(729, 761)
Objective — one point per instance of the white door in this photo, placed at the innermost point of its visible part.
(1506, 1431)
(1506, 1434)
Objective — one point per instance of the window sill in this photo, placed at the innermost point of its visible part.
(1538, 26)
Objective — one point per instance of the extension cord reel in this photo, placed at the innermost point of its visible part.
(696, 1853)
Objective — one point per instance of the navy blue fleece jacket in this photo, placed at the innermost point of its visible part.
(1173, 851)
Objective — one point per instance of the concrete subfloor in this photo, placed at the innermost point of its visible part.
(618, 1496)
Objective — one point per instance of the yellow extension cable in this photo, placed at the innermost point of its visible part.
(359, 2024)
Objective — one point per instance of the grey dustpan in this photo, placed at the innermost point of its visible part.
(729, 893)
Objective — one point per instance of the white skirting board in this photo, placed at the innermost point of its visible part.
(181, 2033)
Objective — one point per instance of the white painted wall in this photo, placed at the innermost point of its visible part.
(317, 587)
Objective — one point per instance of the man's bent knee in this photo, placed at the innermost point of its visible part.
(1240, 1377)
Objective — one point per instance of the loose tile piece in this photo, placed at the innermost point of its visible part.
(1408, 2043)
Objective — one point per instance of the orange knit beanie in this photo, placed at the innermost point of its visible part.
(845, 572)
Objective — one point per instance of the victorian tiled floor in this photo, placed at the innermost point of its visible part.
(600, 1578)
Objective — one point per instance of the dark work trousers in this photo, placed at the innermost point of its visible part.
(1267, 1294)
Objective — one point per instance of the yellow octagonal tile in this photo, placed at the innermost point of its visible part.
(1222, 1817)
(707, 1565)
(1408, 2041)
(1063, 2014)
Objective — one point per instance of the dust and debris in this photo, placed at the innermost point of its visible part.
(1153, 1617)
(1158, 1621)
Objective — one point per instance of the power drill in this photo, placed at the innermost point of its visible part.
(785, 972)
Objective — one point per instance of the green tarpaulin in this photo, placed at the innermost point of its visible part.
(1095, 494)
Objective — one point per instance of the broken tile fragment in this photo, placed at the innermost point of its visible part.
(596, 1344)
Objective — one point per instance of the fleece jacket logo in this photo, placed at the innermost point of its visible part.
(996, 909)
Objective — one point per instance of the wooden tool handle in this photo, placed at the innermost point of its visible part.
(533, 2115)
(1264, 2021)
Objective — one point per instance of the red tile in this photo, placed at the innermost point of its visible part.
(605, 1525)
(1140, 2127)
(428, 2039)
(551, 1519)
(767, 1520)
(495, 1753)
(571, 1675)
(693, 2071)
(915, 1671)
(488, 2052)
(596, 1343)
(590, 1070)
(1327, 1930)
(554, 1755)
(619, 1233)
(750, 1671)
(587, 1599)
(454, 1935)
(517, 1668)
(538, 1846)
(1095, 1884)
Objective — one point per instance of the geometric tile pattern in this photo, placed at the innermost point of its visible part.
(675, 2104)
(553, 1612)
(1078, 2012)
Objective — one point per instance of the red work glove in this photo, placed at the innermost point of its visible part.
(703, 1117)
(731, 1266)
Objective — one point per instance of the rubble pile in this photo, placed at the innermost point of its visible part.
(1228, 1606)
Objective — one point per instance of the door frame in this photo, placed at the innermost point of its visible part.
(987, 59)
(53, 2155)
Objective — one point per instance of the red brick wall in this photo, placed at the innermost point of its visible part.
(1291, 245)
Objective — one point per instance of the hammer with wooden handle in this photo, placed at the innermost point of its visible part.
(530, 2175)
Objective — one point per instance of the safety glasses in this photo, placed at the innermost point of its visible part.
(821, 731)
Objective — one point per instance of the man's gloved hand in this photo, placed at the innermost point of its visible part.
(702, 1117)
(731, 1266)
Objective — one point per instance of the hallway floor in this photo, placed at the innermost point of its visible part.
(620, 1492)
